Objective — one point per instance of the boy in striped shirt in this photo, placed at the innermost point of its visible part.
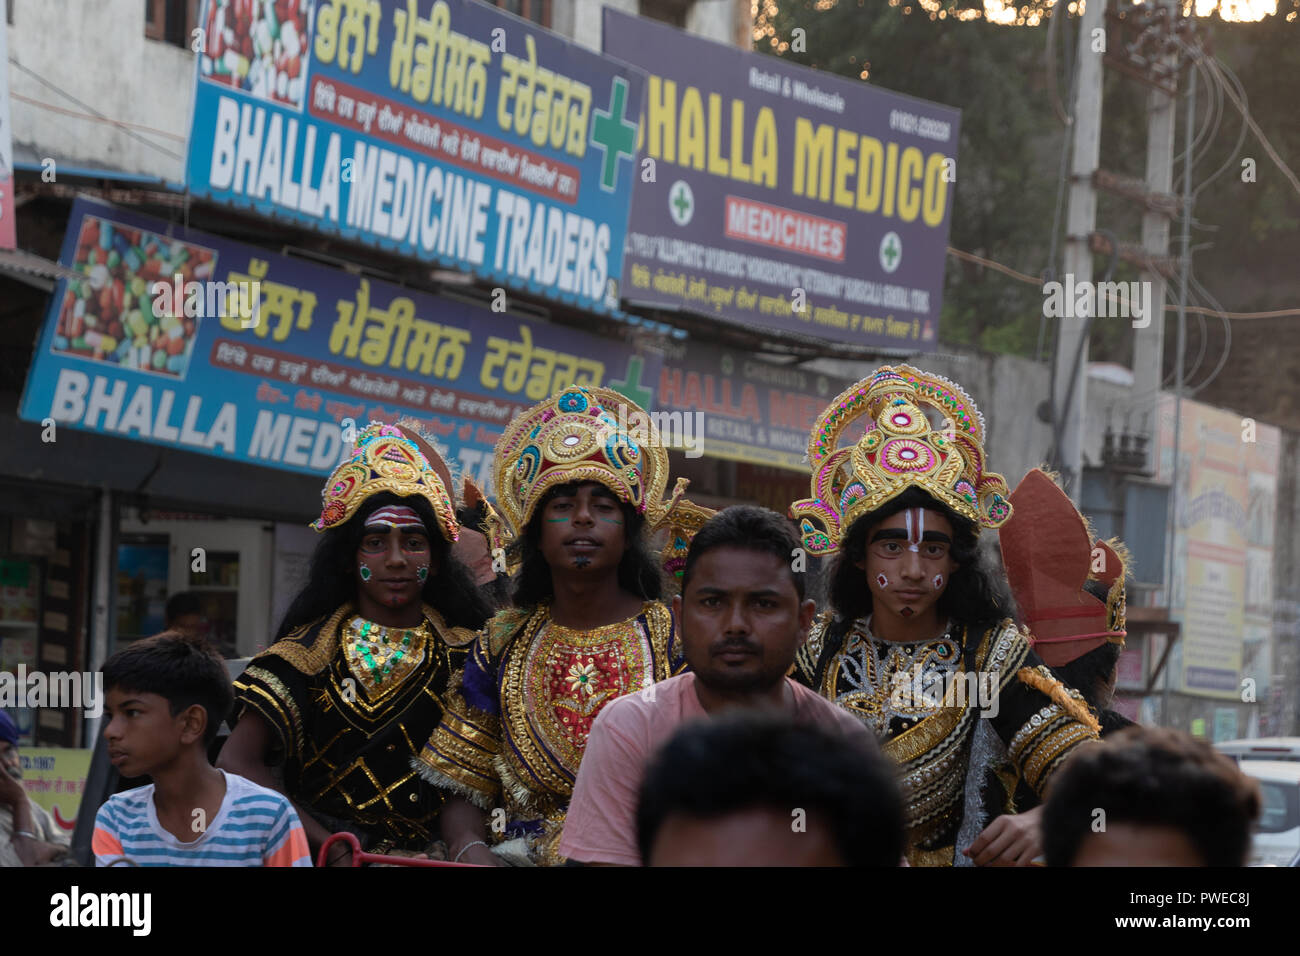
(165, 698)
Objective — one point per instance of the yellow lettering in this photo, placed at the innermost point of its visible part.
(662, 118)
(765, 148)
(845, 142)
(739, 170)
(812, 159)
(909, 198)
(692, 129)
(717, 165)
(891, 169)
(870, 172)
(936, 191)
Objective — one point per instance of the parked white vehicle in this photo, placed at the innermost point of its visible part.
(1276, 840)
(1261, 748)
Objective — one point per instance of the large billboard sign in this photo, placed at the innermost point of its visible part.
(443, 130)
(187, 340)
(785, 198)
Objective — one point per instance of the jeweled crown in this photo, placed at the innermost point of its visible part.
(900, 449)
(580, 434)
(386, 458)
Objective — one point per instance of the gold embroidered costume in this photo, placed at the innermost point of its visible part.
(512, 738)
(956, 711)
(350, 702)
(515, 734)
(949, 732)
(346, 740)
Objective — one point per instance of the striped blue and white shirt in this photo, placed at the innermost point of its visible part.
(254, 827)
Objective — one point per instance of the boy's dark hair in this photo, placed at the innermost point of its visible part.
(639, 572)
(750, 528)
(183, 669)
(332, 579)
(737, 762)
(976, 594)
(1156, 776)
(180, 604)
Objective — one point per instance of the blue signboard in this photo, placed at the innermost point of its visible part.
(184, 339)
(786, 198)
(443, 130)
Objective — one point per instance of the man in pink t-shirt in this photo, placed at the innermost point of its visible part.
(741, 616)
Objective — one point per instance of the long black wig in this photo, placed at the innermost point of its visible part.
(332, 579)
(639, 571)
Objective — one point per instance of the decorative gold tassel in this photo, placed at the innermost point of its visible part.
(1042, 681)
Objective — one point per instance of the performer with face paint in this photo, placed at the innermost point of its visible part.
(334, 711)
(587, 624)
(924, 649)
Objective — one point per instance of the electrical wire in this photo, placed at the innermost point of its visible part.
(1236, 149)
(1216, 71)
(1031, 280)
(1227, 333)
(94, 112)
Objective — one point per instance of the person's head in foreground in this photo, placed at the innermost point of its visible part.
(742, 613)
(1149, 796)
(758, 790)
(166, 697)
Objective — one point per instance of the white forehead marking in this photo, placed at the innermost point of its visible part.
(914, 540)
(395, 516)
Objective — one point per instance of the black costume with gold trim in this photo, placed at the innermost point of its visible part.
(950, 739)
(514, 734)
(346, 741)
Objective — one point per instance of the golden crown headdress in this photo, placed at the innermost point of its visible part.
(682, 520)
(900, 450)
(388, 458)
(582, 433)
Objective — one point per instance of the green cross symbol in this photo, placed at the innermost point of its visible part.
(631, 383)
(890, 251)
(614, 135)
(681, 202)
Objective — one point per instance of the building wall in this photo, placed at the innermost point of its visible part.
(96, 53)
(718, 20)
(1281, 707)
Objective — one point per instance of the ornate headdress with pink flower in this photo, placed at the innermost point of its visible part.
(902, 448)
(388, 458)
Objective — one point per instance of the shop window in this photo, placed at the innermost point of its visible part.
(538, 11)
(171, 21)
(217, 588)
(672, 12)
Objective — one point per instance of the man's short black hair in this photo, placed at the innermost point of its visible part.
(738, 762)
(1155, 776)
(180, 604)
(750, 528)
(182, 669)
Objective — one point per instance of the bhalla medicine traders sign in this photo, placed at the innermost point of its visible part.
(786, 198)
(446, 131)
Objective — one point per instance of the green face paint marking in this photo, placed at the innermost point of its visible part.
(617, 521)
(556, 520)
